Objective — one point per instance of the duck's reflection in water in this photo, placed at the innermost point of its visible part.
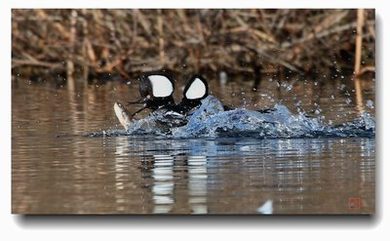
(197, 182)
(163, 189)
(163, 184)
(175, 178)
(240, 176)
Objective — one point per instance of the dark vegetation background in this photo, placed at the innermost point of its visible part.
(104, 44)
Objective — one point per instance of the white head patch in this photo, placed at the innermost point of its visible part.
(196, 90)
(161, 85)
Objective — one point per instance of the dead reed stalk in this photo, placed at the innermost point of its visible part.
(359, 35)
(69, 62)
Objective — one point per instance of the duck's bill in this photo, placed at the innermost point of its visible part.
(122, 114)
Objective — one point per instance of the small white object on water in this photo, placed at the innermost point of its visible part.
(161, 85)
(266, 208)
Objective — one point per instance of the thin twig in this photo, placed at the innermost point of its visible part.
(359, 33)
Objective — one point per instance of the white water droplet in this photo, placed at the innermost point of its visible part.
(370, 104)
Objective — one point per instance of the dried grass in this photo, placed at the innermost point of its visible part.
(126, 42)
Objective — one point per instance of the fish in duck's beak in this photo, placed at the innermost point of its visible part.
(122, 114)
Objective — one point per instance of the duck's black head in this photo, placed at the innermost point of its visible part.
(156, 89)
(195, 90)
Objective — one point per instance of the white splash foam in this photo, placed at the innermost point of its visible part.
(161, 85)
(196, 90)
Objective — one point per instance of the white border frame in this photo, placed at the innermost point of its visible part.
(18, 227)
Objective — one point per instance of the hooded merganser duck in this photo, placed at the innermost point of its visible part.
(156, 91)
(195, 90)
(157, 88)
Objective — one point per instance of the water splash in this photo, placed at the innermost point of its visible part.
(211, 121)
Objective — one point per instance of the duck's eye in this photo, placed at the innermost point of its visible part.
(196, 89)
(162, 86)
